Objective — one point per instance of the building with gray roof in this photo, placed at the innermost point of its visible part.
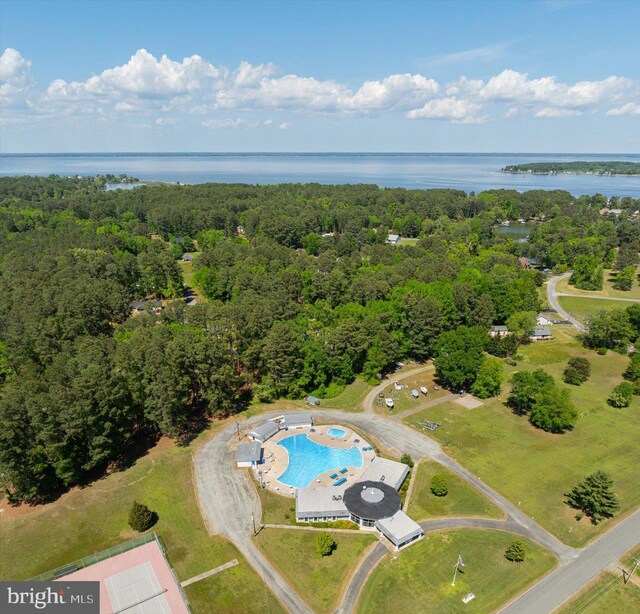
(540, 332)
(387, 471)
(264, 431)
(399, 529)
(249, 454)
(297, 419)
(323, 504)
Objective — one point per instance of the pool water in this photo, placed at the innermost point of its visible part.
(336, 432)
(308, 460)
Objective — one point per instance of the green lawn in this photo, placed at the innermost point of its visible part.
(462, 500)
(534, 469)
(607, 288)
(418, 580)
(350, 399)
(319, 580)
(402, 399)
(608, 594)
(583, 308)
(88, 520)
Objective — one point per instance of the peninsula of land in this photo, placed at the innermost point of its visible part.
(576, 168)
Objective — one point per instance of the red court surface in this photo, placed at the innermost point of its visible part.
(136, 582)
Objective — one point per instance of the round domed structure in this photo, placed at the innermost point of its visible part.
(370, 501)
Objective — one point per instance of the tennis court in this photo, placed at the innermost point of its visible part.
(137, 591)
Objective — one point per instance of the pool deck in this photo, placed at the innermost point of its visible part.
(276, 458)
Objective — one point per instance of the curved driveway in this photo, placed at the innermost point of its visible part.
(552, 297)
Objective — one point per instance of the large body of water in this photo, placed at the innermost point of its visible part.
(469, 172)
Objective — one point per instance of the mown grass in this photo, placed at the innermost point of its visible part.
(88, 520)
(583, 308)
(534, 469)
(350, 399)
(606, 594)
(319, 580)
(607, 288)
(419, 578)
(462, 499)
(403, 400)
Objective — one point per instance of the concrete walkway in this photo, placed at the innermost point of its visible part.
(211, 572)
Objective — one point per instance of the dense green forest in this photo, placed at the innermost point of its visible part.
(577, 168)
(303, 295)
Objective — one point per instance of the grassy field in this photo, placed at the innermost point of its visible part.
(607, 594)
(534, 469)
(419, 579)
(88, 520)
(350, 399)
(319, 580)
(462, 500)
(583, 308)
(607, 288)
(403, 400)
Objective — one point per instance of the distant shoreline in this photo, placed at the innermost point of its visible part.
(598, 168)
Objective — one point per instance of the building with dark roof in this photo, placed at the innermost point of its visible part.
(369, 501)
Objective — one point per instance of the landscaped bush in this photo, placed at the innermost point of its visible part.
(325, 544)
(515, 552)
(578, 371)
(141, 517)
(406, 459)
(439, 485)
(632, 372)
(622, 395)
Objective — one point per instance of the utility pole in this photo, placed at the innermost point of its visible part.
(626, 576)
(238, 429)
(253, 521)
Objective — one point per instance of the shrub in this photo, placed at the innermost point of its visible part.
(636, 387)
(622, 395)
(515, 552)
(141, 517)
(439, 486)
(407, 460)
(325, 544)
(632, 372)
(578, 371)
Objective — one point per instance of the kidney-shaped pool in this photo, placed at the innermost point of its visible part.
(308, 460)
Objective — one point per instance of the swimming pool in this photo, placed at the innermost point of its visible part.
(334, 432)
(308, 459)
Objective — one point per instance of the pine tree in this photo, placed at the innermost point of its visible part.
(594, 497)
(141, 517)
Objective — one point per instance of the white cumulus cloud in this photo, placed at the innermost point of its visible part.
(15, 77)
(631, 108)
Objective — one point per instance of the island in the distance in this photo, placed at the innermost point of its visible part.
(576, 168)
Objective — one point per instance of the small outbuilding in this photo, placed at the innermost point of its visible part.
(399, 529)
(310, 400)
(249, 454)
(187, 257)
(393, 239)
(264, 431)
(542, 321)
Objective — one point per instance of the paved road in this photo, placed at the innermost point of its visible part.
(552, 297)
(552, 591)
(227, 497)
(602, 298)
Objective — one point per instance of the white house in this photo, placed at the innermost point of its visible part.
(499, 331)
(542, 321)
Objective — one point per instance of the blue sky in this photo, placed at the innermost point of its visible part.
(546, 76)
